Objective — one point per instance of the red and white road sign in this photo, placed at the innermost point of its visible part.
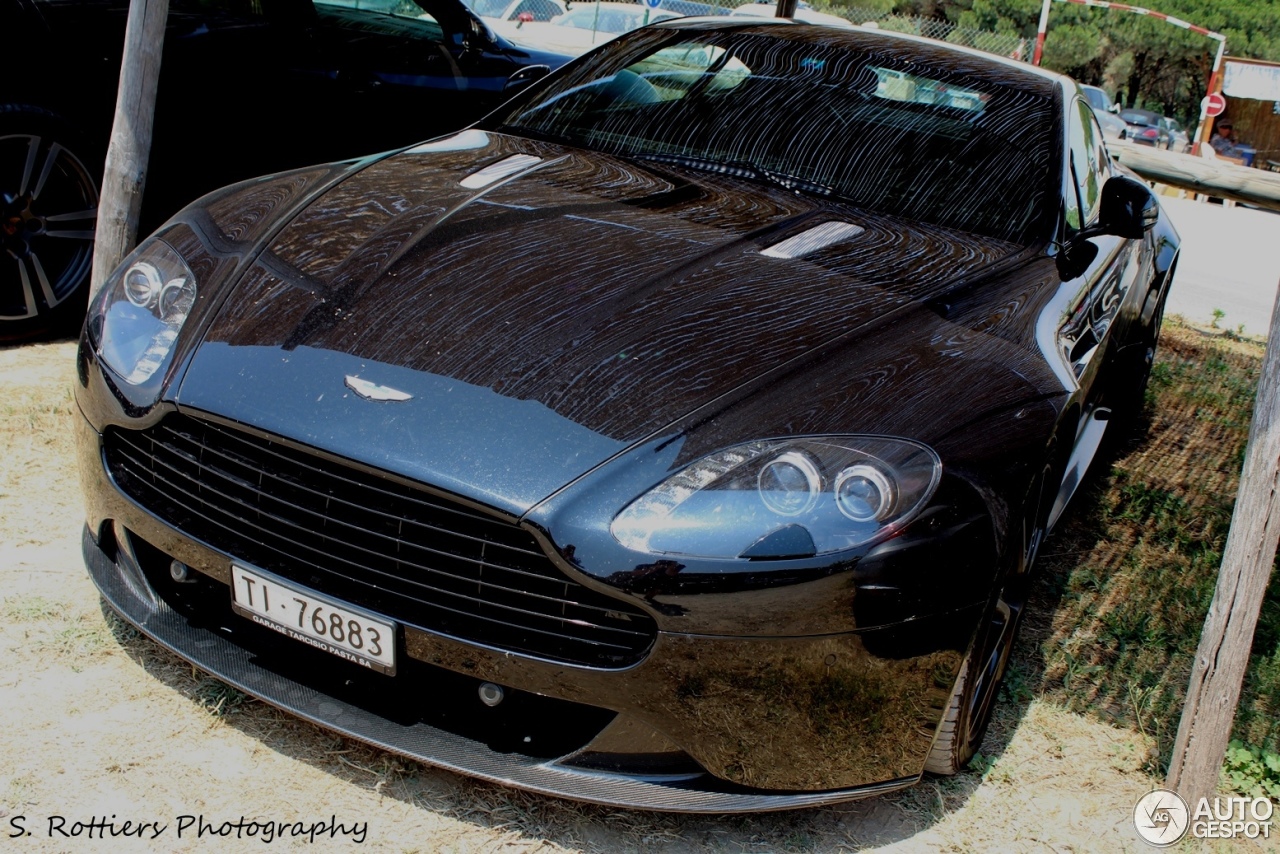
(1213, 105)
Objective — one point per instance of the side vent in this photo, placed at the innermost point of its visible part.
(812, 239)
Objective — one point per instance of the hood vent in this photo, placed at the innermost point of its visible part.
(504, 168)
(812, 239)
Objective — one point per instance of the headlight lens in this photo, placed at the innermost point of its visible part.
(751, 500)
(141, 310)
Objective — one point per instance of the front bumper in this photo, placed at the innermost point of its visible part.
(702, 724)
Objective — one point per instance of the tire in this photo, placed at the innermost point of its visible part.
(48, 210)
(968, 711)
(973, 698)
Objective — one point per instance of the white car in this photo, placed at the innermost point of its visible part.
(1114, 128)
(584, 26)
(803, 13)
(497, 11)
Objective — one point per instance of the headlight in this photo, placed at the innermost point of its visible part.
(137, 317)
(783, 498)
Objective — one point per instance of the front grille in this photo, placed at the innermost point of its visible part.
(418, 558)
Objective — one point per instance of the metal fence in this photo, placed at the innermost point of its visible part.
(1003, 44)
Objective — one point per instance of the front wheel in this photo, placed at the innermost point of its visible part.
(48, 211)
(968, 712)
(972, 700)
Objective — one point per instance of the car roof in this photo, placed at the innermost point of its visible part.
(932, 52)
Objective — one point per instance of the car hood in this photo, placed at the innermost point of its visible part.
(497, 316)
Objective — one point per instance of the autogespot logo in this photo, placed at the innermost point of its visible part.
(1161, 817)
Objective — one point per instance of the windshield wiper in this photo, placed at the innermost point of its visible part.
(746, 169)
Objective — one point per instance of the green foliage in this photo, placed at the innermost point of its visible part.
(1251, 771)
(1072, 47)
(1141, 61)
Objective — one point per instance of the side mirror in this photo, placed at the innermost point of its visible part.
(1129, 209)
(525, 76)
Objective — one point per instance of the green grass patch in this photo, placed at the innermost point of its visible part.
(1131, 573)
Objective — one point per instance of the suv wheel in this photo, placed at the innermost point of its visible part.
(48, 210)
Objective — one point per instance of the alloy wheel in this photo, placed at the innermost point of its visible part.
(48, 211)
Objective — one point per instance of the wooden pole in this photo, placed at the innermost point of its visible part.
(1220, 662)
(1211, 176)
(126, 172)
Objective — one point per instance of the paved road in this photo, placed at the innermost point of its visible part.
(1230, 261)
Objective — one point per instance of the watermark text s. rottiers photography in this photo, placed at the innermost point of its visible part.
(187, 827)
(1163, 818)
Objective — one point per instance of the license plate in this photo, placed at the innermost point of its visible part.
(314, 619)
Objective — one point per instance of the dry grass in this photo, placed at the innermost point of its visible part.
(1128, 581)
(96, 720)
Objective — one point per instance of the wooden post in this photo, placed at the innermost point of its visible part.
(1220, 662)
(1213, 177)
(126, 172)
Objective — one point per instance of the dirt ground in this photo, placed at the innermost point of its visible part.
(96, 721)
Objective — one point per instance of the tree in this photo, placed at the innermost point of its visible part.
(1150, 62)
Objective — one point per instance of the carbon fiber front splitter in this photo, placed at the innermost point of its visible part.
(127, 593)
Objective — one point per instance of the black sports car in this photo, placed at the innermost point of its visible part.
(245, 88)
(680, 436)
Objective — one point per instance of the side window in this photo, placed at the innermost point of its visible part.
(1089, 161)
(1100, 158)
(1076, 164)
(383, 18)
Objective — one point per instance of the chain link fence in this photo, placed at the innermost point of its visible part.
(827, 12)
(1002, 44)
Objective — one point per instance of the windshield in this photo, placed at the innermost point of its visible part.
(821, 116)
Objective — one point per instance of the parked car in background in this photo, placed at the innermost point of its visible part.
(245, 88)
(1176, 138)
(587, 25)
(491, 11)
(1098, 99)
(1146, 127)
(694, 8)
(1113, 127)
(681, 436)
